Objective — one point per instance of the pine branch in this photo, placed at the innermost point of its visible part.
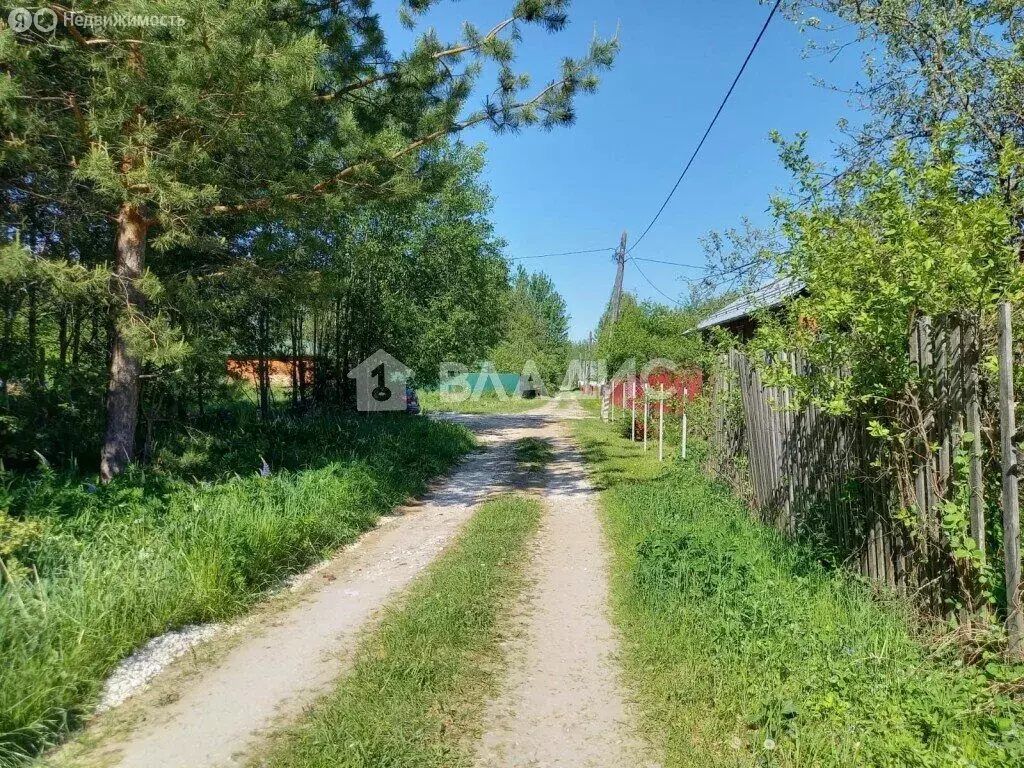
(324, 187)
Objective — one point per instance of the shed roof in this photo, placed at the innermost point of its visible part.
(771, 295)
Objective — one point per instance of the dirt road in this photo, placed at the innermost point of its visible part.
(562, 706)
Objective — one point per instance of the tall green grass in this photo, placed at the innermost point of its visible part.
(745, 650)
(98, 571)
(416, 693)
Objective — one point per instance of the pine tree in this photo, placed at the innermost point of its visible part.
(245, 108)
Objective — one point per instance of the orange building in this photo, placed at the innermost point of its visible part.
(280, 369)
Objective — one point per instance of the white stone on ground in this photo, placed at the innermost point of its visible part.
(135, 672)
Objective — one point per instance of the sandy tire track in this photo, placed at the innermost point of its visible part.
(563, 705)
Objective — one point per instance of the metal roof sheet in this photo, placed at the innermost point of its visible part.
(771, 295)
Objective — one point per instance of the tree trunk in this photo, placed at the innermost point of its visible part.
(302, 356)
(76, 337)
(124, 384)
(340, 345)
(295, 362)
(62, 338)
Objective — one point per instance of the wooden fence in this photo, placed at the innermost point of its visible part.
(819, 476)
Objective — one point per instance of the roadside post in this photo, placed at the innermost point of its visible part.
(647, 410)
(661, 424)
(632, 426)
(686, 403)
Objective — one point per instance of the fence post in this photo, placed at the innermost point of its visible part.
(661, 425)
(647, 410)
(613, 401)
(632, 411)
(970, 360)
(1011, 509)
(686, 402)
(977, 480)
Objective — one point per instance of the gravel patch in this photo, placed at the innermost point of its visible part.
(135, 672)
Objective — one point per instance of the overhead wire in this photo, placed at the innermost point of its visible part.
(563, 253)
(679, 180)
(711, 125)
(655, 287)
(670, 263)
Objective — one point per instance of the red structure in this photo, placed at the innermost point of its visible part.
(678, 384)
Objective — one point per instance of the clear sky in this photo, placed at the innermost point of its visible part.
(577, 188)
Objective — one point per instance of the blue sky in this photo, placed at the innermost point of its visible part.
(579, 187)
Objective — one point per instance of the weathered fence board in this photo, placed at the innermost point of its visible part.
(812, 473)
(1011, 503)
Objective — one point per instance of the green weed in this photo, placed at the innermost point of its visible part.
(534, 453)
(431, 402)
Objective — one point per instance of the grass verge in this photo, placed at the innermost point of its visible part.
(432, 402)
(743, 650)
(415, 695)
(94, 572)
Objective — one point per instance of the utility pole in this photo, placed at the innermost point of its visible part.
(620, 257)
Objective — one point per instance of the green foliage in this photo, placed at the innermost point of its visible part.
(970, 563)
(885, 246)
(421, 279)
(415, 696)
(897, 241)
(651, 331)
(276, 147)
(536, 331)
(743, 649)
(921, 217)
(99, 570)
(44, 387)
(929, 62)
(488, 402)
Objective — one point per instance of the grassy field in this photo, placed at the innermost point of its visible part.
(93, 572)
(432, 402)
(744, 651)
(415, 696)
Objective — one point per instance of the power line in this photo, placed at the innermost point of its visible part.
(645, 277)
(712, 124)
(670, 263)
(563, 253)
